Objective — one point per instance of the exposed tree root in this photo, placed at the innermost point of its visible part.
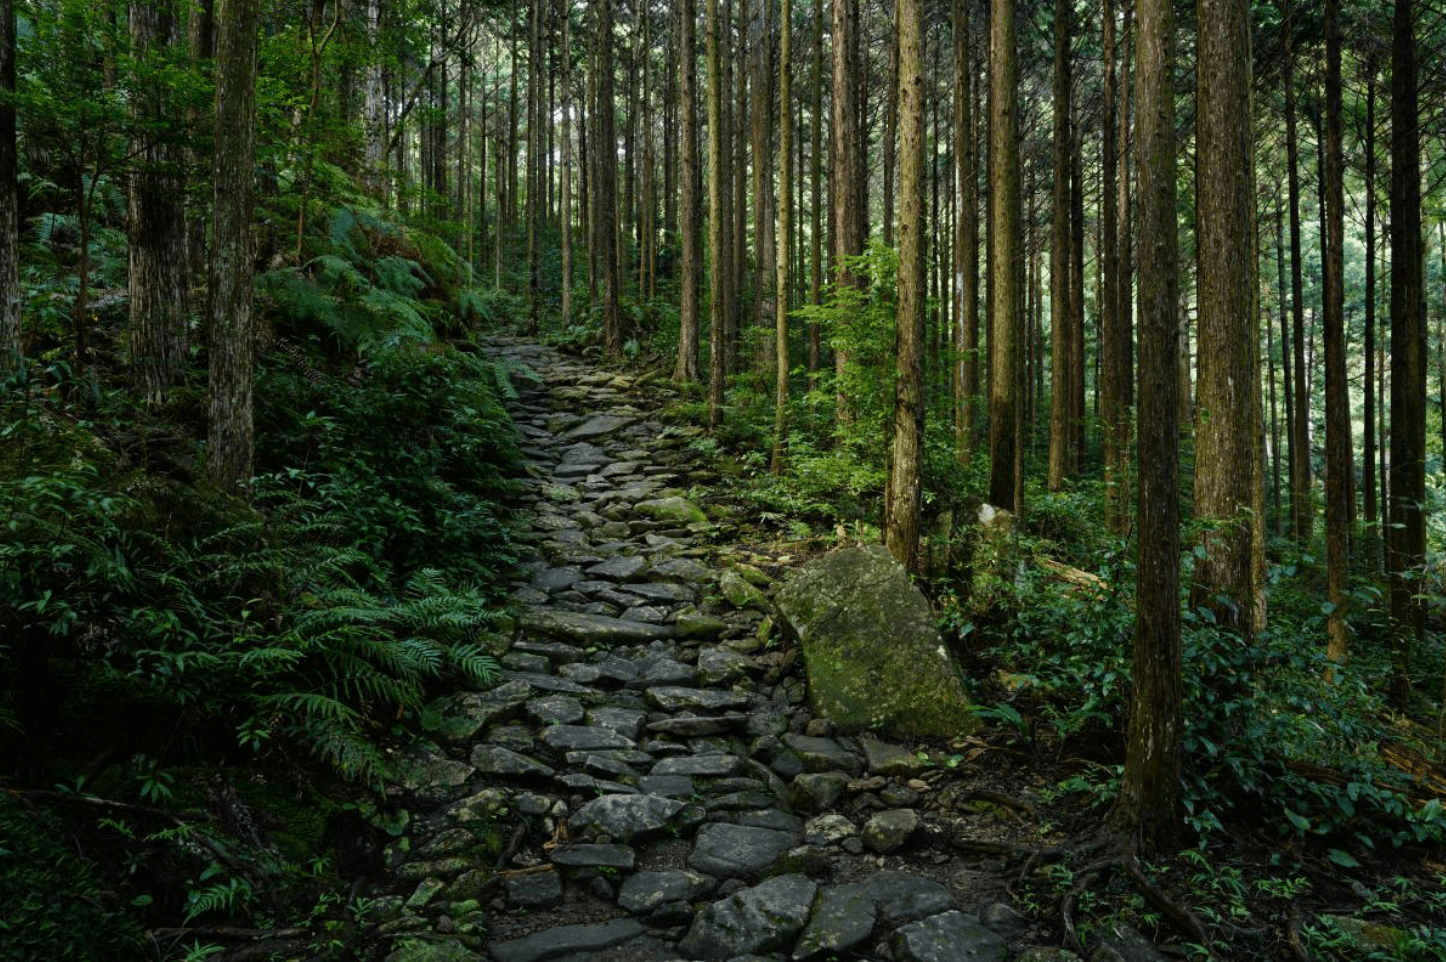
(1293, 940)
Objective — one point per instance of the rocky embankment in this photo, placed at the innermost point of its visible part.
(647, 781)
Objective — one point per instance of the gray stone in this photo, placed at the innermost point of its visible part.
(431, 778)
(694, 626)
(682, 569)
(597, 426)
(884, 758)
(737, 851)
(585, 453)
(566, 940)
(828, 829)
(646, 891)
(859, 619)
(459, 717)
(537, 890)
(823, 754)
(719, 667)
(764, 918)
(661, 591)
(739, 593)
(553, 651)
(700, 766)
(620, 568)
(673, 510)
(626, 818)
(556, 579)
(522, 661)
(904, 898)
(495, 760)
(887, 832)
(1040, 953)
(696, 726)
(573, 738)
(543, 682)
(486, 806)
(589, 630)
(627, 722)
(648, 614)
(818, 791)
(555, 710)
(669, 786)
(1004, 919)
(947, 937)
(1130, 945)
(587, 855)
(843, 917)
(660, 671)
(673, 698)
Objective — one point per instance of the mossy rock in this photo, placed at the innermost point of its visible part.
(874, 657)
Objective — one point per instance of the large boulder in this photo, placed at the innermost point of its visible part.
(873, 655)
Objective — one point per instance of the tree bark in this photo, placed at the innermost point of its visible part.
(566, 134)
(965, 368)
(1368, 413)
(766, 240)
(1337, 398)
(1228, 372)
(905, 501)
(844, 163)
(1005, 476)
(717, 219)
(232, 267)
(9, 200)
(1061, 366)
(606, 199)
(691, 253)
(1302, 511)
(785, 229)
(1148, 809)
(156, 235)
(1114, 334)
(1406, 540)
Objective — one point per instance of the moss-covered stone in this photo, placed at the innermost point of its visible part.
(873, 654)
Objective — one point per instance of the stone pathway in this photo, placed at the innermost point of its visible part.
(648, 768)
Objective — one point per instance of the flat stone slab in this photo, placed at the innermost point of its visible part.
(762, 919)
(494, 760)
(947, 937)
(574, 738)
(645, 891)
(700, 766)
(598, 426)
(587, 855)
(843, 918)
(666, 591)
(627, 722)
(545, 682)
(885, 758)
(539, 890)
(823, 754)
(669, 786)
(675, 510)
(628, 818)
(588, 629)
(697, 726)
(620, 568)
(737, 851)
(671, 698)
(555, 710)
(567, 940)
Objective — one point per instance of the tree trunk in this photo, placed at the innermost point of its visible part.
(890, 133)
(1005, 476)
(717, 218)
(156, 237)
(1337, 397)
(905, 501)
(229, 447)
(765, 296)
(1368, 413)
(566, 133)
(785, 229)
(534, 166)
(843, 159)
(1148, 809)
(1406, 540)
(1114, 346)
(688, 184)
(9, 200)
(965, 368)
(606, 200)
(1301, 509)
(374, 117)
(1061, 368)
(1228, 373)
(815, 286)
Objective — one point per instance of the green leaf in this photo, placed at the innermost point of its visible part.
(1342, 858)
(1301, 823)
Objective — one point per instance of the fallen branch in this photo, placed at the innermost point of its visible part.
(228, 932)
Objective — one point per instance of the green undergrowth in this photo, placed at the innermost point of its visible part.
(155, 631)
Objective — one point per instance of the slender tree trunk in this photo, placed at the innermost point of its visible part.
(890, 133)
(815, 286)
(535, 197)
(717, 218)
(688, 182)
(157, 255)
(1114, 345)
(374, 132)
(1229, 364)
(1148, 810)
(606, 199)
(566, 134)
(1075, 456)
(229, 447)
(1368, 413)
(1061, 367)
(843, 182)
(1406, 540)
(1125, 231)
(785, 229)
(1301, 508)
(1337, 397)
(765, 296)
(9, 200)
(905, 500)
(1005, 475)
(735, 152)
(966, 238)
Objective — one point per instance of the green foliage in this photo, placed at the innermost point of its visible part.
(52, 905)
